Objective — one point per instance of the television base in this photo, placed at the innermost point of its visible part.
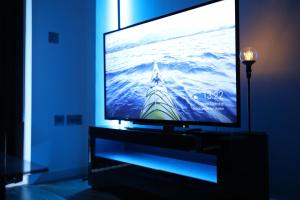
(165, 129)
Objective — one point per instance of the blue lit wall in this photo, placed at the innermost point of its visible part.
(134, 11)
(272, 28)
(62, 83)
(106, 20)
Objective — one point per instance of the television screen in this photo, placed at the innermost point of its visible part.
(179, 68)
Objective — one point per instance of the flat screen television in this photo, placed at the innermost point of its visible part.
(178, 69)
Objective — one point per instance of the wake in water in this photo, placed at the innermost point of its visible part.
(158, 103)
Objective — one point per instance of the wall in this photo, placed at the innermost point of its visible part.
(106, 20)
(271, 26)
(62, 83)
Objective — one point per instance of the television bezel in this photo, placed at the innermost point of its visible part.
(184, 123)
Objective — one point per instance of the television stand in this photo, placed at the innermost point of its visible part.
(193, 130)
(168, 128)
(156, 130)
(207, 165)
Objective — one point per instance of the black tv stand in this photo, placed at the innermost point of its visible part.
(156, 130)
(193, 130)
(165, 129)
(240, 160)
(168, 128)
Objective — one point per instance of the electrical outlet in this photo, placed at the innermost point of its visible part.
(74, 119)
(59, 120)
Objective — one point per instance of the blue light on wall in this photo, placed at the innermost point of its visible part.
(106, 20)
(126, 13)
(28, 83)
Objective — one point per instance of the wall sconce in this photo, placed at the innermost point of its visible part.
(248, 57)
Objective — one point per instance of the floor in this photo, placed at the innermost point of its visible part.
(71, 190)
(77, 189)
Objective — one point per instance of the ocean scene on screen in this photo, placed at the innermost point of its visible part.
(182, 67)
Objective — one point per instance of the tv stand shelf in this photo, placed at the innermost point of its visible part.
(196, 170)
(209, 164)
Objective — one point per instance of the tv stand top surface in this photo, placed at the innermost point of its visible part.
(167, 130)
(175, 140)
(180, 131)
